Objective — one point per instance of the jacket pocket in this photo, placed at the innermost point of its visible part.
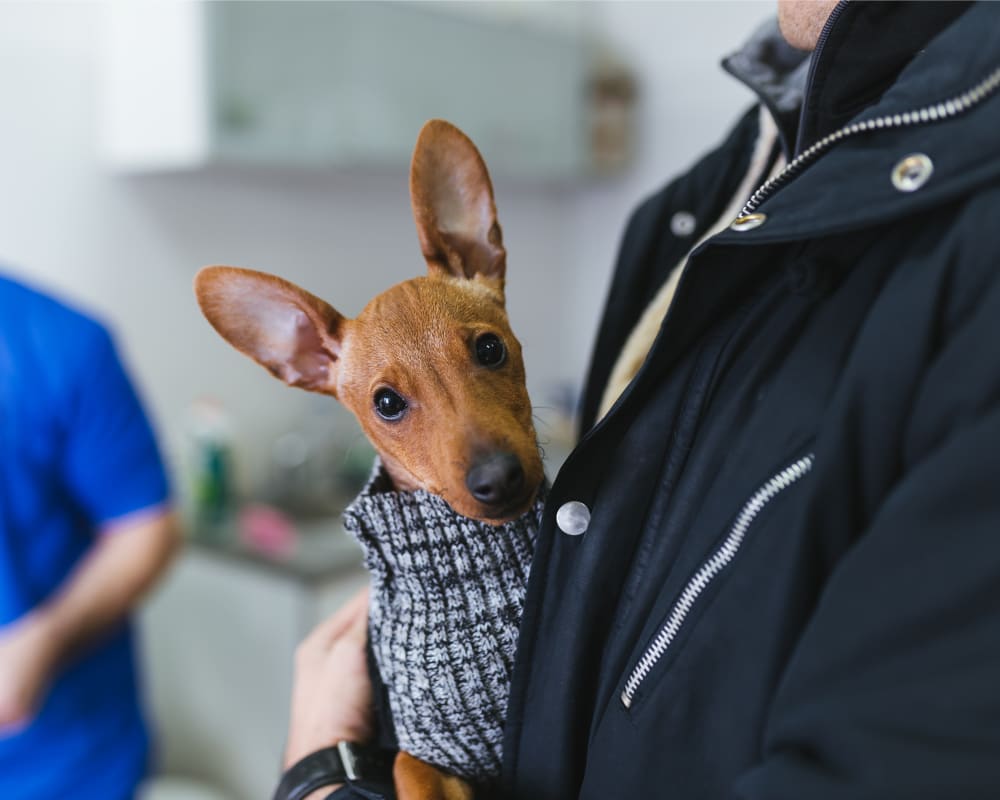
(720, 558)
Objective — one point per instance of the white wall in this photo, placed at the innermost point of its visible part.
(127, 247)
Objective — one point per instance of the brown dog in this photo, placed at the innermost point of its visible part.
(430, 367)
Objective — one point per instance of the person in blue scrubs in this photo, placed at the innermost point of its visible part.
(85, 529)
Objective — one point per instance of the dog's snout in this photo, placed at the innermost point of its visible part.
(496, 480)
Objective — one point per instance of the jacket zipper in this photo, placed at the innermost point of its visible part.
(709, 570)
(814, 59)
(933, 113)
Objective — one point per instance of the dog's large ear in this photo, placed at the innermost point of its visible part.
(453, 205)
(295, 335)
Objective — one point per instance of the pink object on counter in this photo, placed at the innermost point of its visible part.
(267, 530)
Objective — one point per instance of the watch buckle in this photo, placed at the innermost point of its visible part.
(349, 759)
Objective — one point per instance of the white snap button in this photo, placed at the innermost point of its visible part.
(912, 172)
(748, 222)
(682, 223)
(573, 518)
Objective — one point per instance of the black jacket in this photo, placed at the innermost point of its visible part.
(790, 585)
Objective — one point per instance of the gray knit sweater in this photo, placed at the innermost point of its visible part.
(447, 597)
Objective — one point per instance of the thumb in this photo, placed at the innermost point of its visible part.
(341, 622)
(357, 629)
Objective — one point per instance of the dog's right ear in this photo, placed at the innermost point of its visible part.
(453, 206)
(295, 335)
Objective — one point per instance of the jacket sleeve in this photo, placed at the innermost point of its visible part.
(891, 691)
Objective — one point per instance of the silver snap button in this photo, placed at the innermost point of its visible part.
(682, 223)
(573, 518)
(748, 222)
(912, 172)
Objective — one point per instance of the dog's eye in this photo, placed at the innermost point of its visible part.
(389, 405)
(490, 351)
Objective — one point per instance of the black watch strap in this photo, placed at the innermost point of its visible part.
(345, 762)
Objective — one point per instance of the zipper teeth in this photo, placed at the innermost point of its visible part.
(712, 567)
(933, 113)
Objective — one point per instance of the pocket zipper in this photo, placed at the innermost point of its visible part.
(709, 570)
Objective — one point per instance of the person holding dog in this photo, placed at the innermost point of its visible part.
(85, 529)
(769, 568)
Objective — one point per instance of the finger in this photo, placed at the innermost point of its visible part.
(357, 629)
(345, 618)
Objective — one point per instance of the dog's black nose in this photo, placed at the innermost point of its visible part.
(496, 480)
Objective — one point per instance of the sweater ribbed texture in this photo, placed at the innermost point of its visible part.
(446, 604)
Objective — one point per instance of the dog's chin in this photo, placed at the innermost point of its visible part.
(501, 515)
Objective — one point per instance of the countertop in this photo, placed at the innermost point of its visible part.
(322, 549)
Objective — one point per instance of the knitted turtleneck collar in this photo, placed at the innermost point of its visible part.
(446, 604)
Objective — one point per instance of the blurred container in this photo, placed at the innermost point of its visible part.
(211, 463)
(612, 95)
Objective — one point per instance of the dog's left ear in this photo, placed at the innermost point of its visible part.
(453, 206)
(293, 334)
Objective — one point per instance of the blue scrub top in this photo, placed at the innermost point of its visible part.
(76, 452)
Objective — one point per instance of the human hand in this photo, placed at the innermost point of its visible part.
(332, 692)
(29, 654)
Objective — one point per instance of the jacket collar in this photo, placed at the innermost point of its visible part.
(861, 51)
(858, 168)
(850, 188)
(811, 94)
(777, 73)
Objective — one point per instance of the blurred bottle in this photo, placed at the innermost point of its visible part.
(211, 466)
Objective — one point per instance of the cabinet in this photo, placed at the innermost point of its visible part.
(340, 84)
(217, 645)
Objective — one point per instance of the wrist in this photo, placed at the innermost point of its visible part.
(40, 627)
(298, 748)
(325, 792)
(323, 772)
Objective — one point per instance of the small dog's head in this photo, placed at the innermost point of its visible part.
(430, 367)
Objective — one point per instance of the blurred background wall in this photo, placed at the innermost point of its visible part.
(126, 246)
